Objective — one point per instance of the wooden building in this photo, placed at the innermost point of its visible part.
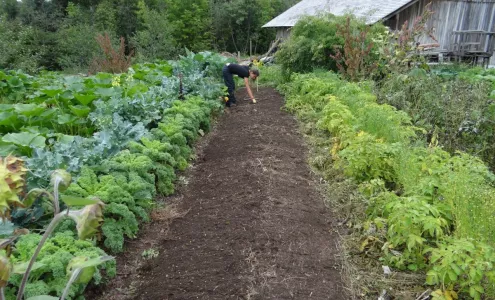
(464, 29)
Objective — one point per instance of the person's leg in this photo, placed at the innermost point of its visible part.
(230, 83)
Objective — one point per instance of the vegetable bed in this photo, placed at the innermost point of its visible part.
(121, 137)
(427, 211)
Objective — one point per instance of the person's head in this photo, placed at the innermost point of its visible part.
(253, 74)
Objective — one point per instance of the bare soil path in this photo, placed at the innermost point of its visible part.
(255, 228)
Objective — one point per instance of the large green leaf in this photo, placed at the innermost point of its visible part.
(80, 110)
(15, 82)
(52, 91)
(6, 149)
(7, 118)
(65, 139)
(29, 110)
(106, 92)
(78, 201)
(93, 262)
(166, 69)
(36, 130)
(85, 99)
(25, 139)
(76, 87)
(72, 80)
(139, 75)
(21, 268)
(67, 96)
(66, 119)
(102, 80)
(6, 107)
(137, 89)
(47, 114)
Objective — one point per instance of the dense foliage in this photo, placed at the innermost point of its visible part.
(60, 34)
(314, 40)
(121, 136)
(456, 110)
(414, 141)
(426, 209)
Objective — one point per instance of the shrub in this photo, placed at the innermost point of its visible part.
(458, 113)
(310, 45)
(112, 60)
(314, 40)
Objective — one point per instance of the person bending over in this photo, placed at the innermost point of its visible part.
(229, 70)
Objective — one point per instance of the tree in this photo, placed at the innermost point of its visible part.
(191, 23)
(237, 23)
(10, 8)
(16, 47)
(106, 17)
(126, 18)
(154, 40)
(76, 40)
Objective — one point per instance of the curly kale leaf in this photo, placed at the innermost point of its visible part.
(126, 196)
(51, 277)
(126, 161)
(121, 221)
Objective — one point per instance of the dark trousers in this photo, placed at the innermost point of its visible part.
(228, 78)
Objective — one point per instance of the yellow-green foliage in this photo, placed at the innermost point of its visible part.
(422, 200)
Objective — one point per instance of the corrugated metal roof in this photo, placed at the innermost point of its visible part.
(373, 10)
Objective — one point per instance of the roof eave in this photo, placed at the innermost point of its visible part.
(276, 26)
(406, 6)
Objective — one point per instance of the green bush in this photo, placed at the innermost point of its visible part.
(457, 112)
(154, 41)
(464, 264)
(310, 45)
(271, 75)
(18, 51)
(313, 41)
(76, 47)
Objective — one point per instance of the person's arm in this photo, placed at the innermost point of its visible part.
(246, 81)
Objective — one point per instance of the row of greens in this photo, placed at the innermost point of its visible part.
(427, 210)
(123, 151)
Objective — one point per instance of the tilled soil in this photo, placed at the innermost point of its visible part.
(248, 224)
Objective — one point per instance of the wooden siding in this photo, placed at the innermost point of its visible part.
(449, 16)
(283, 32)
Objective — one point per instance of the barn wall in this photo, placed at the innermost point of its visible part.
(283, 32)
(449, 16)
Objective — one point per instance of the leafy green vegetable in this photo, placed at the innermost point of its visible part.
(55, 257)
